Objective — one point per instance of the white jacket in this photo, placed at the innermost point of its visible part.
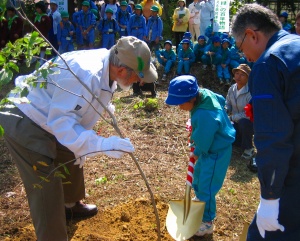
(207, 10)
(56, 20)
(69, 117)
(194, 14)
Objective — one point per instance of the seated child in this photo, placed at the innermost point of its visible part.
(223, 67)
(199, 48)
(212, 53)
(167, 58)
(186, 57)
(212, 137)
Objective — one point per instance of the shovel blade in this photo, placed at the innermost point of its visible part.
(177, 228)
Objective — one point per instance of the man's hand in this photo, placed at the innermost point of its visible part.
(267, 216)
(116, 147)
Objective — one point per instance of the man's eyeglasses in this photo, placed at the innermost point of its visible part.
(242, 41)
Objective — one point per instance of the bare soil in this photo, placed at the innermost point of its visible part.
(116, 186)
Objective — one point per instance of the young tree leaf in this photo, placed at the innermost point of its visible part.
(1, 131)
(66, 182)
(43, 163)
(35, 185)
(44, 179)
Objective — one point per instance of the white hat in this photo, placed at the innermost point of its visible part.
(54, 2)
(136, 54)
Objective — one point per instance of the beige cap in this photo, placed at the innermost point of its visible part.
(243, 67)
(135, 54)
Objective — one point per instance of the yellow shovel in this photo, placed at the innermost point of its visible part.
(185, 216)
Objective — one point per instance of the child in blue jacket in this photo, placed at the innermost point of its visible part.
(65, 32)
(108, 28)
(186, 57)
(154, 29)
(199, 48)
(122, 18)
(212, 137)
(167, 58)
(223, 66)
(212, 54)
(137, 24)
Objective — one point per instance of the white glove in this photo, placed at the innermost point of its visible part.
(80, 161)
(121, 146)
(267, 216)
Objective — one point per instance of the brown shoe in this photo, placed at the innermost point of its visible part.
(81, 210)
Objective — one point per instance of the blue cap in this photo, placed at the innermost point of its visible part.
(168, 42)
(225, 40)
(287, 27)
(185, 41)
(201, 37)
(216, 39)
(224, 35)
(182, 89)
(284, 14)
(187, 35)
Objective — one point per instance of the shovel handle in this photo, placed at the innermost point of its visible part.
(190, 172)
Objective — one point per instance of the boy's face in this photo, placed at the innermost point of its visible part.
(201, 41)
(168, 47)
(108, 15)
(138, 11)
(188, 106)
(65, 19)
(85, 8)
(225, 45)
(38, 10)
(185, 46)
(154, 13)
(123, 8)
(217, 44)
(10, 13)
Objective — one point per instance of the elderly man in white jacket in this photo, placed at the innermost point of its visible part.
(55, 126)
(206, 8)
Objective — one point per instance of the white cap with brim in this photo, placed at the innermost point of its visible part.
(136, 54)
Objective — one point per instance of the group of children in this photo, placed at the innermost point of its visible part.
(220, 52)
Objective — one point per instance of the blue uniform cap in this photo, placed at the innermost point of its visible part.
(225, 40)
(216, 39)
(182, 89)
(187, 35)
(284, 14)
(168, 42)
(201, 37)
(185, 41)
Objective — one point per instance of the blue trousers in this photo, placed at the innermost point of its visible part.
(213, 60)
(235, 63)
(184, 65)
(123, 33)
(209, 174)
(66, 46)
(244, 133)
(108, 40)
(223, 72)
(168, 65)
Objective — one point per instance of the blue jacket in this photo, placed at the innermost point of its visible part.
(84, 20)
(189, 53)
(235, 54)
(136, 24)
(63, 30)
(169, 55)
(154, 28)
(274, 84)
(225, 53)
(122, 17)
(212, 48)
(108, 26)
(211, 128)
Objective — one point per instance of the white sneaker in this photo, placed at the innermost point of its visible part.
(205, 228)
(164, 77)
(248, 153)
(213, 67)
(204, 67)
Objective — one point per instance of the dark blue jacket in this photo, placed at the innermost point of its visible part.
(274, 84)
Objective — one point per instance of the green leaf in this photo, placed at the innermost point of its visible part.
(66, 182)
(1, 131)
(65, 168)
(35, 185)
(44, 179)
(2, 59)
(44, 73)
(5, 76)
(59, 174)
(37, 65)
(24, 92)
(13, 66)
